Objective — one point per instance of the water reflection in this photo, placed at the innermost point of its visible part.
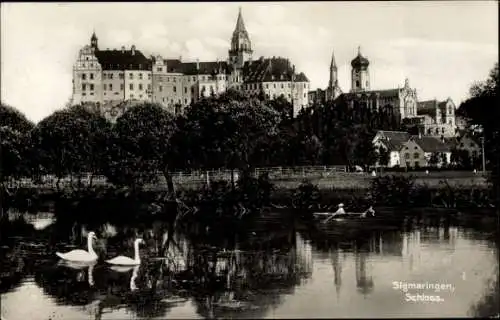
(278, 274)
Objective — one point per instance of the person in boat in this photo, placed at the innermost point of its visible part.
(340, 210)
(370, 212)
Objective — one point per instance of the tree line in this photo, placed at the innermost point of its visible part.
(231, 131)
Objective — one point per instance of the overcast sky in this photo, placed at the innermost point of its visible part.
(442, 47)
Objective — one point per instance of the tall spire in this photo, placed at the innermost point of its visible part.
(240, 25)
(333, 64)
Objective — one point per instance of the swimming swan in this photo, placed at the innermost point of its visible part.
(79, 255)
(126, 261)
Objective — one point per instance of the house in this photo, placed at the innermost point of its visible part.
(468, 146)
(436, 151)
(391, 142)
(412, 155)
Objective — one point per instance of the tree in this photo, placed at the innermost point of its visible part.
(14, 143)
(482, 108)
(71, 141)
(227, 131)
(433, 160)
(142, 136)
(14, 119)
(383, 156)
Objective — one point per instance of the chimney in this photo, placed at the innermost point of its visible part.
(180, 58)
(197, 64)
(420, 134)
(133, 49)
(123, 49)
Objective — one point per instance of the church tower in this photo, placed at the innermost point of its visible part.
(333, 90)
(93, 42)
(360, 75)
(241, 47)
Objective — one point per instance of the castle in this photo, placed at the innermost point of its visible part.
(110, 77)
(430, 118)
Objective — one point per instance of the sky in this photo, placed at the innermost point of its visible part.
(441, 47)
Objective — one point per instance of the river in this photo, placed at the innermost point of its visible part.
(427, 270)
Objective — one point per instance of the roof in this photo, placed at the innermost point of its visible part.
(431, 144)
(192, 68)
(394, 139)
(271, 69)
(379, 93)
(123, 59)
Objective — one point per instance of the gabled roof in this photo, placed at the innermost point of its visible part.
(393, 140)
(121, 60)
(431, 144)
(269, 70)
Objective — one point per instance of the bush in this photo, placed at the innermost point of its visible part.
(392, 190)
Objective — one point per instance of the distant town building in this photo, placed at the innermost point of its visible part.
(412, 151)
(110, 77)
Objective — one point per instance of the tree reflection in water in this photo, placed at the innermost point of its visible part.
(242, 279)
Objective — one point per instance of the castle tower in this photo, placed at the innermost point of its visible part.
(93, 42)
(360, 75)
(241, 47)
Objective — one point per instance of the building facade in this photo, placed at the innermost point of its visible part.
(110, 77)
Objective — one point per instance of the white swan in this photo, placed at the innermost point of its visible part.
(126, 261)
(81, 255)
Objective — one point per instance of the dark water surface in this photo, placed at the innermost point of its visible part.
(276, 274)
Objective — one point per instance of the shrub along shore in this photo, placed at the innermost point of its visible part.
(250, 196)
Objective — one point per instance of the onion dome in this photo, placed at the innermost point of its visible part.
(359, 61)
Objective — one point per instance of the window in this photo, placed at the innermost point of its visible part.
(305, 86)
(121, 76)
(140, 76)
(437, 130)
(111, 76)
(449, 122)
(83, 87)
(140, 86)
(282, 86)
(149, 86)
(192, 90)
(174, 88)
(185, 101)
(91, 87)
(131, 76)
(267, 85)
(357, 83)
(415, 155)
(305, 95)
(407, 156)
(174, 79)
(185, 90)
(429, 131)
(168, 79)
(442, 130)
(367, 83)
(274, 85)
(149, 76)
(159, 69)
(84, 76)
(91, 76)
(131, 86)
(122, 86)
(104, 76)
(110, 86)
(194, 78)
(104, 86)
(417, 164)
(160, 88)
